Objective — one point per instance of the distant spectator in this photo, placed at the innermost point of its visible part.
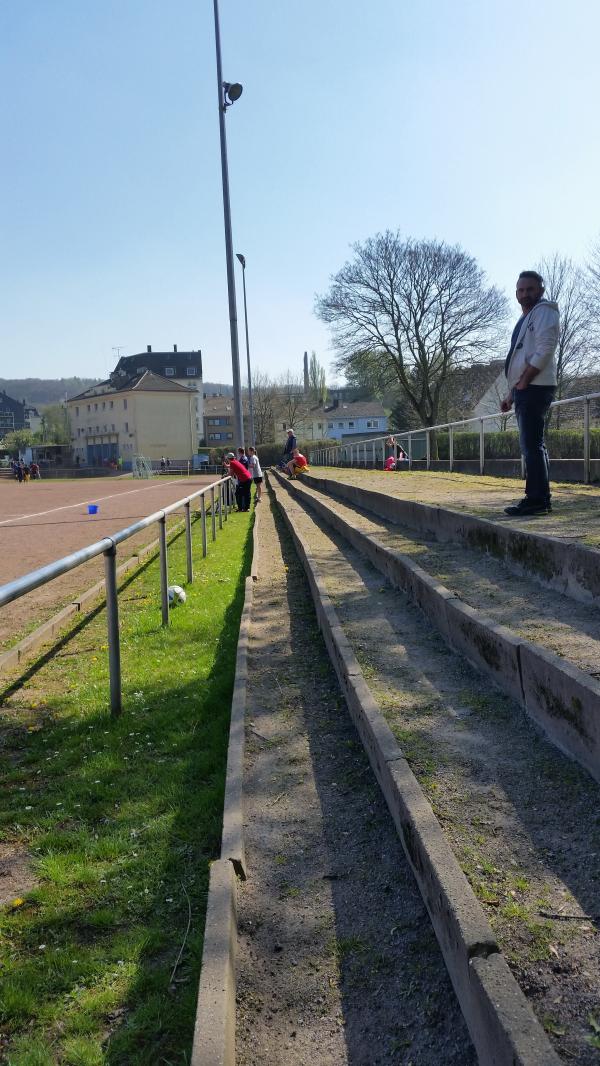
(402, 456)
(254, 468)
(244, 481)
(390, 463)
(290, 444)
(297, 463)
(35, 471)
(243, 458)
(168, 463)
(20, 473)
(163, 464)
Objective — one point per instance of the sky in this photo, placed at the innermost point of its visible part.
(468, 121)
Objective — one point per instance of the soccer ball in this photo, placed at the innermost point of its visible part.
(176, 594)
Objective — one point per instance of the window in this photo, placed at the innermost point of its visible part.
(89, 407)
(341, 425)
(372, 423)
(319, 425)
(330, 425)
(350, 425)
(191, 371)
(215, 421)
(127, 427)
(76, 412)
(124, 405)
(170, 371)
(95, 407)
(105, 428)
(283, 425)
(104, 405)
(140, 369)
(97, 429)
(113, 427)
(111, 405)
(216, 436)
(230, 436)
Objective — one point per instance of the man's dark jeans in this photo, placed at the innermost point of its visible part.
(242, 495)
(531, 408)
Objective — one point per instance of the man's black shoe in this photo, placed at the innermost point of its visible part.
(527, 507)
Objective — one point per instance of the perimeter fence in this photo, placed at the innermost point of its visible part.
(443, 442)
(219, 508)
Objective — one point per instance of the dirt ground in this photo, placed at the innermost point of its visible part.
(46, 520)
(337, 960)
(575, 508)
(522, 819)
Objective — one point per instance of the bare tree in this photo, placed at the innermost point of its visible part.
(419, 308)
(593, 293)
(291, 401)
(566, 284)
(264, 403)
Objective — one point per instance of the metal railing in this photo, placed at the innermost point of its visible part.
(220, 508)
(341, 453)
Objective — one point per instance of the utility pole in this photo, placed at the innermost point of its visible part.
(228, 94)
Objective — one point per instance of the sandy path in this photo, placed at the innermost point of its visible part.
(337, 959)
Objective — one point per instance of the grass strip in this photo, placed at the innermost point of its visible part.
(115, 822)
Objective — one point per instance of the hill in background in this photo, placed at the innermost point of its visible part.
(41, 391)
(44, 390)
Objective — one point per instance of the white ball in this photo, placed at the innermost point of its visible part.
(176, 594)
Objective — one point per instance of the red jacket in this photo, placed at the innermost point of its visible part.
(239, 471)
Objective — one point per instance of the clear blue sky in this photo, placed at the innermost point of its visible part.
(474, 122)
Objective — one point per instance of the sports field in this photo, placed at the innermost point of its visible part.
(44, 520)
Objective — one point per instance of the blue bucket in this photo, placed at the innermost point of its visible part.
(92, 508)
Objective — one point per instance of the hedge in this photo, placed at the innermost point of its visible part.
(562, 444)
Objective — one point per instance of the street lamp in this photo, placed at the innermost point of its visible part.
(242, 260)
(229, 92)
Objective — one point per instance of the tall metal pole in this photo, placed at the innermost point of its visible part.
(235, 354)
(242, 260)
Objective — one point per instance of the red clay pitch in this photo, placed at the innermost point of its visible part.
(41, 521)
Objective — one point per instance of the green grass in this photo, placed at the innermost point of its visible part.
(121, 818)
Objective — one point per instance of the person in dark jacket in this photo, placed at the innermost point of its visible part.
(290, 444)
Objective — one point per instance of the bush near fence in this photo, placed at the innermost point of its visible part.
(562, 444)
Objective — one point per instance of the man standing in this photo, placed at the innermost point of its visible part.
(244, 481)
(530, 370)
(290, 444)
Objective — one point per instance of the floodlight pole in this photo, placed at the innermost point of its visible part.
(242, 260)
(235, 354)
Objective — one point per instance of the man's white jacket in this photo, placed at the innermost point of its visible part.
(536, 345)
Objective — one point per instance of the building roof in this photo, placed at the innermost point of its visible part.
(356, 409)
(218, 406)
(157, 362)
(144, 382)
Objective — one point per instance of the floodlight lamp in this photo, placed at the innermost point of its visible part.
(233, 90)
(242, 259)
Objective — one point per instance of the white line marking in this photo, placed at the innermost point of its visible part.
(84, 503)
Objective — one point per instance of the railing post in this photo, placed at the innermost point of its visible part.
(586, 442)
(428, 448)
(451, 446)
(221, 506)
(112, 622)
(164, 576)
(203, 522)
(188, 543)
(374, 450)
(226, 500)
(481, 447)
(410, 461)
(212, 512)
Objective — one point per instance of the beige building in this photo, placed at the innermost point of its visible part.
(145, 414)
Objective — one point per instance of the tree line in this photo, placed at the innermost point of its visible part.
(407, 316)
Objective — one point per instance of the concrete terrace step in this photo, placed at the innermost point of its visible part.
(560, 697)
